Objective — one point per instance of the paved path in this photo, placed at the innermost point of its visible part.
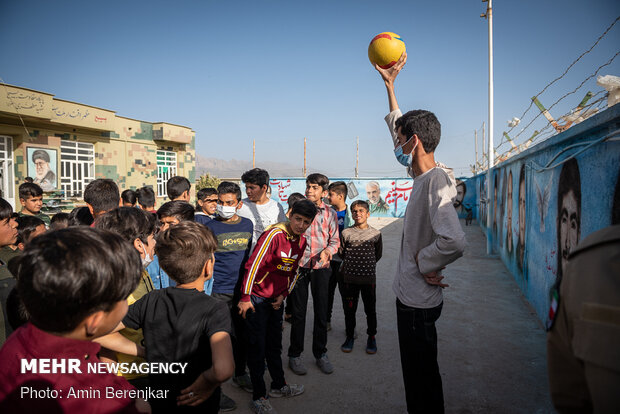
(491, 346)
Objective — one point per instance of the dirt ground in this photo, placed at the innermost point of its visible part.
(491, 345)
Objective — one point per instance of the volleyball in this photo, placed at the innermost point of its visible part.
(385, 49)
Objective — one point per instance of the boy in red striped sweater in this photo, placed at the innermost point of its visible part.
(271, 274)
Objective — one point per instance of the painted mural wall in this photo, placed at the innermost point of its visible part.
(548, 198)
(387, 197)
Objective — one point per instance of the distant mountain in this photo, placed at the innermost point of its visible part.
(234, 168)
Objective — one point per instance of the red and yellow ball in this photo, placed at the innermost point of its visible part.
(385, 49)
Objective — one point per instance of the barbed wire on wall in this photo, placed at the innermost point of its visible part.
(590, 104)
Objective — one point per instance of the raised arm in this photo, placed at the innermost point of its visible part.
(389, 76)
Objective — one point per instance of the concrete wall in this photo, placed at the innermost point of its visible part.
(391, 200)
(538, 216)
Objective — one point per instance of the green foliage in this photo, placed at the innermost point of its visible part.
(207, 180)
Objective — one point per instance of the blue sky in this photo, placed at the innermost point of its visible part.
(279, 71)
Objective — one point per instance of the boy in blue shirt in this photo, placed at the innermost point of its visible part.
(234, 240)
(337, 196)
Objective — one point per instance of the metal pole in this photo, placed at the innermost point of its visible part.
(476, 149)
(491, 152)
(254, 154)
(304, 156)
(357, 157)
(484, 140)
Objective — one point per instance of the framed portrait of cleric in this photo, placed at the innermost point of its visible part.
(42, 163)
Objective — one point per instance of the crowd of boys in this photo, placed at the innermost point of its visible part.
(204, 285)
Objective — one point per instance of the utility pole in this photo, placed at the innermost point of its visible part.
(490, 194)
(304, 156)
(253, 153)
(476, 149)
(483, 145)
(357, 157)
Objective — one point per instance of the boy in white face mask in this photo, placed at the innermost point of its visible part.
(234, 240)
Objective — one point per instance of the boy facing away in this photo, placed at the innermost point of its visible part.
(182, 324)
(74, 284)
(361, 248)
(31, 199)
(271, 274)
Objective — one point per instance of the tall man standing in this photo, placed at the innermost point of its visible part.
(432, 238)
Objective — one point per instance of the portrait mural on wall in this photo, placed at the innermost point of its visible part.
(615, 208)
(376, 202)
(509, 212)
(461, 190)
(521, 221)
(42, 164)
(495, 192)
(502, 203)
(569, 213)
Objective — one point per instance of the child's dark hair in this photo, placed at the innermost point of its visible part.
(59, 221)
(80, 216)
(130, 223)
(26, 225)
(319, 179)
(129, 197)
(176, 186)
(202, 194)
(339, 187)
(102, 194)
(184, 249)
(361, 203)
(179, 209)
(304, 208)
(6, 211)
(293, 198)
(27, 190)
(422, 123)
(146, 197)
(226, 187)
(66, 275)
(256, 176)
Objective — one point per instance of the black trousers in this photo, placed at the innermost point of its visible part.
(350, 293)
(318, 281)
(240, 337)
(264, 327)
(334, 281)
(417, 338)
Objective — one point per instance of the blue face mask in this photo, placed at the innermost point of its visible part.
(404, 159)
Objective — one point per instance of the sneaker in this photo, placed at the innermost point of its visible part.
(244, 381)
(371, 345)
(324, 364)
(227, 403)
(348, 345)
(289, 390)
(262, 406)
(297, 366)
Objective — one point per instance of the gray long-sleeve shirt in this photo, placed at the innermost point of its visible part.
(431, 231)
